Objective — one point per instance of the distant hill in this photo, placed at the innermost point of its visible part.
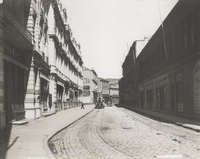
(113, 79)
(113, 82)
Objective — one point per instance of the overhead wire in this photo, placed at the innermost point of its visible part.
(163, 32)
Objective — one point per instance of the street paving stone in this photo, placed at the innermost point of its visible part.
(117, 133)
(30, 141)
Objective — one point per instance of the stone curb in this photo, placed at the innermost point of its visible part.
(187, 126)
(46, 140)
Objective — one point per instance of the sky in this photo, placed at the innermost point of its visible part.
(106, 29)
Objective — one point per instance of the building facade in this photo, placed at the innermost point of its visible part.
(66, 82)
(130, 72)
(40, 61)
(15, 58)
(90, 85)
(103, 89)
(165, 75)
(114, 90)
(36, 98)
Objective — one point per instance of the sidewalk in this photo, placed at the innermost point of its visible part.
(181, 121)
(30, 140)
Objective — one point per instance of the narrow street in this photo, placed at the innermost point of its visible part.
(99, 79)
(119, 133)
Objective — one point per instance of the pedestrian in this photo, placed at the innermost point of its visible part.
(82, 106)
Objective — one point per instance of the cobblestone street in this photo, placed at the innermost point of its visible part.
(119, 133)
(99, 79)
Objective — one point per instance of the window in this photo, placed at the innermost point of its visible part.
(177, 39)
(169, 46)
(162, 53)
(190, 30)
(183, 36)
(157, 56)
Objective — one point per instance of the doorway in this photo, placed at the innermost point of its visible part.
(13, 90)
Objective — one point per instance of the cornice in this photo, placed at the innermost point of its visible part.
(16, 22)
(65, 29)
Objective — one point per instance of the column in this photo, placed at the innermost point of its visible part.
(154, 95)
(167, 95)
(53, 92)
(30, 94)
(37, 94)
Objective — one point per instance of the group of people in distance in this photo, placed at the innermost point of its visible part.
(99, 103)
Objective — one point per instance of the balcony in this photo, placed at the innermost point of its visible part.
(94, 80)
(47, 60)
(43, 56)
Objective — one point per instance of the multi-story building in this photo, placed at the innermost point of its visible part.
(114, 90)
(166, 72)
(15, 58)
(65, 60)
(40, 61)
(36, 99)
(90, 85)
(130, 73)
(55, 77)
(103, 88)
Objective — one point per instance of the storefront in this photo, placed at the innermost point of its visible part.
(76, 94)
(176, 92)
(13, 91)
(160, 93)
(44, 94)
(59, 95)
(197, 88)
(15, 81)
(160, 98)
(141, 95)
(15, 57)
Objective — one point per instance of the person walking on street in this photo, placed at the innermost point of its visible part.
(82, 106)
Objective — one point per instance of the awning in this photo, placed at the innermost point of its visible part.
(60, 83)
(44, 77)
